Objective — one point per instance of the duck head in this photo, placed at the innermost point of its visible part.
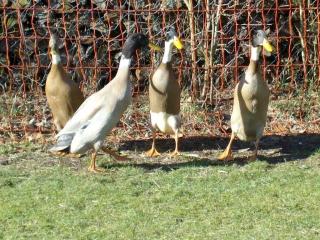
(54, 49)
(172, 38)
(260, 39)
(137, 41)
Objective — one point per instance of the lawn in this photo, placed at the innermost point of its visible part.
(191, 197)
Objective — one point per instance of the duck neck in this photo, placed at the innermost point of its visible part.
(56, 59)
(124, 65)
(254, 59)
(167, 52)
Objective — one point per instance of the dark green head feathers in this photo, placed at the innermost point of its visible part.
(134, 42)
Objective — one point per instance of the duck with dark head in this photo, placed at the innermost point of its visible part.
(100, 112)
(251, 99)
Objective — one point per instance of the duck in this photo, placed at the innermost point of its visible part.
(101, 111)
(164, 96)
(251, 100)
(63, 95)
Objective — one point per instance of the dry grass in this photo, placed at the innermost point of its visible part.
(24, 118)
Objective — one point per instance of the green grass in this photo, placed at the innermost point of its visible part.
(46, 198)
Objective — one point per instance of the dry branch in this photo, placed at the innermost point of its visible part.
(189, 4)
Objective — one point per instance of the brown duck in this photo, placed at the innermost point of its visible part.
(63, 95)
(251, 99)
(164, 96)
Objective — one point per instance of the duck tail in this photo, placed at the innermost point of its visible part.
(63, 143)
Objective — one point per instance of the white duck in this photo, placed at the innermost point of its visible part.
(100, 112)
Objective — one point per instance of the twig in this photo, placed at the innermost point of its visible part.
(206, 53)
(214, 42)
(189, 4)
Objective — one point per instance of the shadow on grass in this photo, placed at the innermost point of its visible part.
(291, 148)
(186, 144)
(171, 166)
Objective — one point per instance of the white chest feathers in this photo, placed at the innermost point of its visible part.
(166, 123)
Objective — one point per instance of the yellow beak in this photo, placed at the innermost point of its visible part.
(154, 47)
(267, 46)
(177, 43)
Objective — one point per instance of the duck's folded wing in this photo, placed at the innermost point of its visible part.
(94, 132)
(85, 112)
(64, 140)
(63, 143)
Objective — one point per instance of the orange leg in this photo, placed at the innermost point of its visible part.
(227, 154)
(176, 151)
(93, 167)
(153, 151)
(255, 153)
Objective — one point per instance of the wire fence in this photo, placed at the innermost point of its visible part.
(216, 35)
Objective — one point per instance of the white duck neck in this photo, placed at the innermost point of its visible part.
(124, 66)
(56, 59)
(124, 63)
(167, 52)
(255, 53)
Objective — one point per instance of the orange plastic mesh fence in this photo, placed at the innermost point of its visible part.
(215, 33)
